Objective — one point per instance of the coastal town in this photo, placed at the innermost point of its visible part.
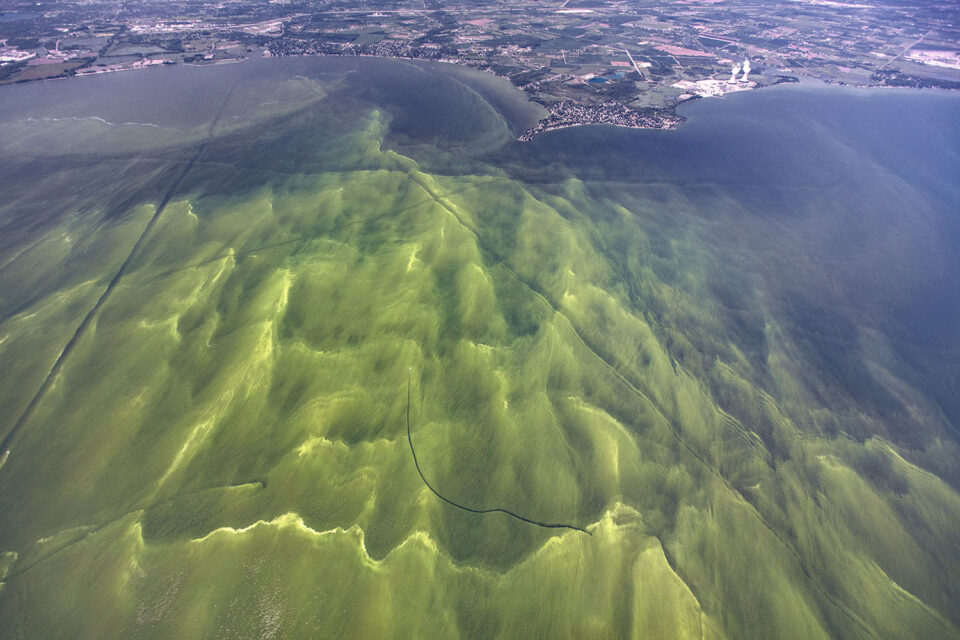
(585, 61)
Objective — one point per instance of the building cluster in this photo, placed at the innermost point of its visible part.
(567, 114)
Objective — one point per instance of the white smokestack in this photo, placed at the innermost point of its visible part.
(733, 73)
(746, 70)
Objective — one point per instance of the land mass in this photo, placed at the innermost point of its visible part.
(585, 61)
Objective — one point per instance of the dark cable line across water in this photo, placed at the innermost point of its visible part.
(546, 525)
(88, 319)
(636, 390)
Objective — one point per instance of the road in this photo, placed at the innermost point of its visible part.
(909, 46)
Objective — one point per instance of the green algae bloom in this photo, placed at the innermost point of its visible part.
(246, 311)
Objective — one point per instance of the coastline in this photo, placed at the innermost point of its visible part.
(562, 114)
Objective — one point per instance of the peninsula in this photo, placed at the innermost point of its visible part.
(585, 61)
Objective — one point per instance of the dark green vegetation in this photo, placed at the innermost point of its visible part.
(729, 352)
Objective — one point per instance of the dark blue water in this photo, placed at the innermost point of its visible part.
(837, 209)
(16, 17)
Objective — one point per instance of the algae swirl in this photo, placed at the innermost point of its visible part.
(729, 353)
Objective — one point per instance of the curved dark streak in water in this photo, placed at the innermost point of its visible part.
(546, 525)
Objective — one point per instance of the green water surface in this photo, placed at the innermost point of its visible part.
(728, 353)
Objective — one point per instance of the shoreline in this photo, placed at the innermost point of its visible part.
(563, 114)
